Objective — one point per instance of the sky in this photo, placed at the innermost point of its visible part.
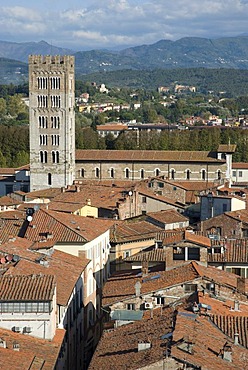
(117, 24)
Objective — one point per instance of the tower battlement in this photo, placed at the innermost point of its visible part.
(50, 59)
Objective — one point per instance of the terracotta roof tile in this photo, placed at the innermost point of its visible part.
(207, 344)
(175, 237)
(231, 325)
(156, 255)
(10, 224)
(127, 231)
(7, 201)
(146, 155)
(112, 292)
(118, 349)
(168, 216)
(235, 251)
(33, 351)
(63, 227)
(221, 276)
(239, 165)
(66, 268)
(27, 288)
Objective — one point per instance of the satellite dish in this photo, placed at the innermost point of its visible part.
(130, 193)
(29, 218)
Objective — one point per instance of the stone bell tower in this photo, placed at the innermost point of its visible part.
(51, 121)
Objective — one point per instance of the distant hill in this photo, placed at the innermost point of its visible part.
(13, 71)
(21, 51)
(188, 52)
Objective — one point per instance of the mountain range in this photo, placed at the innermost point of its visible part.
(188, 52)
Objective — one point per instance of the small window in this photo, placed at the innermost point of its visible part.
(190, 288)
(203, 175)
(49, 179)
(188, 175)
(178, 253)
(126, 254)
(142, 174)
(160, 300)
(157, 172)
(218, 174)
(234, 173)
(127, 173)
(143, 199)
(173, 172)
(240, 174)
(131, 306)
(82, 172)
(160, 184)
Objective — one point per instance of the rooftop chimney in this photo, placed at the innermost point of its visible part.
(236, 306)
(143, 346)
(144, 268)
(227, 352)
(137, 287)
(236, 339)
(16, 346)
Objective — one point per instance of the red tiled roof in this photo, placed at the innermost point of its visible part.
(207, 344)
(67, 207)
(118, 349)
(128, 231)
(240, 215)
(34, 353)
(169, 238)
(44, 193)
(112, 292)
(7, 201)
(145, 155)
(63, 227)
(111, 127)
(235, 251)
(100, 194)
(27, 288)
(169, 216)
(156, 255)
(220, 276)
(66, 268)
(239, 165)
(7, 171)
(10, 224)
(231, 325)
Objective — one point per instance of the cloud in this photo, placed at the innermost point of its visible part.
(122, 22)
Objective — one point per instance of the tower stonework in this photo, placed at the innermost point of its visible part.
(52, 121)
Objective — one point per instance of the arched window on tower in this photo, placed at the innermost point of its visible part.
(173, 173)
(127, 173)
(142, 174)
(112, 173)
(187, 174)
(157, 172)
(97, 172)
